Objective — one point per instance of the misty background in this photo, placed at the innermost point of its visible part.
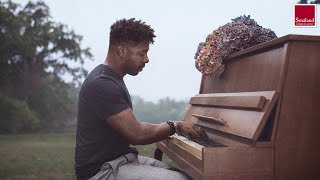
(48, 47)
(179, 25)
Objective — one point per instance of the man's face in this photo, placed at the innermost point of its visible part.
(136, 58)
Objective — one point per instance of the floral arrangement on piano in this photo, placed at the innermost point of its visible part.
(241, 33)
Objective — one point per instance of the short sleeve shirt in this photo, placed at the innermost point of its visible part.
(102, 94)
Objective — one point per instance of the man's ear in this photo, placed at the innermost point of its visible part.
(121, 51)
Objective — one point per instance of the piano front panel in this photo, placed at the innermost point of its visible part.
(254, 72)
(236, 120)
(238, 160)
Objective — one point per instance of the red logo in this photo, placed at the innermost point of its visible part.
(305, 15)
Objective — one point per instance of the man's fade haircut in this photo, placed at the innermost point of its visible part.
(126, 30)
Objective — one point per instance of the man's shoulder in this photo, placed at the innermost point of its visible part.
(101, 82)
(104, 81)
(101, 76)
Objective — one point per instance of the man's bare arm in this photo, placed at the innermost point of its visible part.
(145, 133)
(137, 132)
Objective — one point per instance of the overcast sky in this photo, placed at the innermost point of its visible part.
(179, 26)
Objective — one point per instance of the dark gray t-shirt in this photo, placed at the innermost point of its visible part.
(102, 94)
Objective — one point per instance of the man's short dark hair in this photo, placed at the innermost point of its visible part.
(126, 30)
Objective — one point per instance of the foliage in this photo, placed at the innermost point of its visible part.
(18, 116)
(241, 33)
(55, 103)
(33, 46)
(35, 52)
(164, 110)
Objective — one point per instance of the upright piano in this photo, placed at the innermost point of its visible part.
(262, 116)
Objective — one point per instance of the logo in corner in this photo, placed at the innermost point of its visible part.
(305, 15)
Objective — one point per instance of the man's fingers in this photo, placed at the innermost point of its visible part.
(199, 129)
(201, 133)
(204, 135)
(193, 131)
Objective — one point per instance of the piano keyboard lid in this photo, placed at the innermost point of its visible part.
(241, 114)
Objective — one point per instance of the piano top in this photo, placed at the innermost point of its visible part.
(275, 42)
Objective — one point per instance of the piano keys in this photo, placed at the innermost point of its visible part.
(261, 116)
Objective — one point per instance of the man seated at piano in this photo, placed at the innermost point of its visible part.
(106, 125)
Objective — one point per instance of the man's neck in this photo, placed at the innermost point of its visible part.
(114, 65)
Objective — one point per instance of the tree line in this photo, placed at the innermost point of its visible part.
(35, 52)
(163, 110)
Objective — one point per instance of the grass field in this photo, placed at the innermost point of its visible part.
(43, 156)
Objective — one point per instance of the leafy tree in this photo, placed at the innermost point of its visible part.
(55, 104)
(33, 47)
(35, 52)
(18, 116)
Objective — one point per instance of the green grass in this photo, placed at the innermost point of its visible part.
(44, 156)
(148, 150)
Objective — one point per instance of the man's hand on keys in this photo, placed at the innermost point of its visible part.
(190, 130)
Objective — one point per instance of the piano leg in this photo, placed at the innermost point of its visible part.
(158, 154)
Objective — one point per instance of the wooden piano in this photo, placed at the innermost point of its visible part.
(263, 116)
